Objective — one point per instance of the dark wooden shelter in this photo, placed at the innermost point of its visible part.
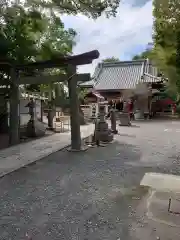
(69, 64)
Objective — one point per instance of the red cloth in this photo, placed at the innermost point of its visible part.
(174, 107)
(130, 107)
(167, 101)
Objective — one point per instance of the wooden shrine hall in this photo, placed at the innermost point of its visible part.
(17, 75)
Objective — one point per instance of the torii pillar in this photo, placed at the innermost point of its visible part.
(74, 109)
(14, 108)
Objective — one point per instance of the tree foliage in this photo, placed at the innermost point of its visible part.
(166, 50)
(28, 35)
(90, 8)
(31, 30)
(144, 55)
(110, 59)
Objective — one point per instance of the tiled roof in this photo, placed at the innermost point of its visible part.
(124, 75)
(96, 94)
(87, 84)
(91, 83)
(148, 78)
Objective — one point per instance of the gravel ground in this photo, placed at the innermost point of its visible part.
(93, 195)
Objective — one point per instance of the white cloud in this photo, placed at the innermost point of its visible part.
(120, 37)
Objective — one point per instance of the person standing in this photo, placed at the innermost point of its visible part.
(120, 105)
(112, 105)
(130, 108)
(120, 108)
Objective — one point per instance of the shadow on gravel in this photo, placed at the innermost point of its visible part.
(116, 154)
(87, 195)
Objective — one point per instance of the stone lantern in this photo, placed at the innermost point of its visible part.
(103, 133)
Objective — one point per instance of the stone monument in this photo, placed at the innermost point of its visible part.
(35, 128)
(103, 133)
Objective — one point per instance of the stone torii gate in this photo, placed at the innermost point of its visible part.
(69, 63)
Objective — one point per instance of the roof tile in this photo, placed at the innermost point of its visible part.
(150, 78)
(124, 75)
(120, 75)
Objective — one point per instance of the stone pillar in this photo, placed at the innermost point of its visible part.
(113, 121)
(14, 109)
(74, 109)
(50, 118)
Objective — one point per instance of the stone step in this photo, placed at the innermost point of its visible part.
(161, 182)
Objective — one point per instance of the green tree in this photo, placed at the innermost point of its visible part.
(110, 59)
(143, 55)
(90, 8)
(166, 52)
(28, 35)
(39, 29)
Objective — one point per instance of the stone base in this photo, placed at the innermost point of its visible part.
(93, 143)
(83, 148)
(104, 134)
(139, 116)
(102, 126)
(114, 131)
(51, 129)
(35, 128)
(124, 119)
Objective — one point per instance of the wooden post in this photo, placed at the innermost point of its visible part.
(74, 109)
(14, 109)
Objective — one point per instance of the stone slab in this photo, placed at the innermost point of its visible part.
(175, 205)
(157, 208)
(161, 182)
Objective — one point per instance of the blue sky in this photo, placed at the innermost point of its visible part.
(123, 36)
